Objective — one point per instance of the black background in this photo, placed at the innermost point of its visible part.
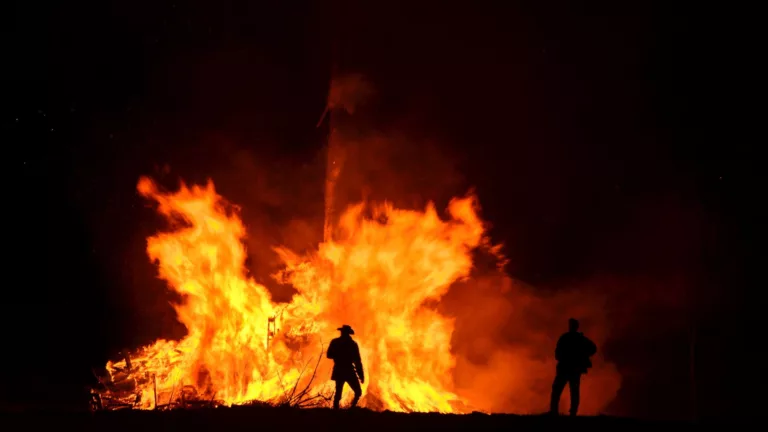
(600, 137)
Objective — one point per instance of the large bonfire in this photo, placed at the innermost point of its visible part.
(381, 272)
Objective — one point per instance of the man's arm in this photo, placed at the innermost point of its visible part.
(559, 349)
(331, 353)
(358, 364)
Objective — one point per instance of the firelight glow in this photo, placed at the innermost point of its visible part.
(380, 272)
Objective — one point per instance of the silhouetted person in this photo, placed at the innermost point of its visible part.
(572, 354)
(347, 366)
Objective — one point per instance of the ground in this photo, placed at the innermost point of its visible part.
(279, 419)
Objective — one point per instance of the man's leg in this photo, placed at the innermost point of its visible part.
(557, 389)
(337, 394)
(354, 384)
(574, 384)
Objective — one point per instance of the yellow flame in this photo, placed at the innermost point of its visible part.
(378, 273)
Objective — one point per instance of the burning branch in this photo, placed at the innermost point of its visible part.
(154, 388)
(303, 399)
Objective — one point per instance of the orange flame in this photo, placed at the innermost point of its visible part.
(380, 273)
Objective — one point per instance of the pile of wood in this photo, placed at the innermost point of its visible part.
(122, 390)
(110, 396)
(126, 387)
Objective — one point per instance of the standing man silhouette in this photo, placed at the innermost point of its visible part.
(572, 354)
(347, 366)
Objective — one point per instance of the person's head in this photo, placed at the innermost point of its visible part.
(573, 324)
(346, 330)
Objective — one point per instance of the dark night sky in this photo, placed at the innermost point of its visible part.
(594, 133)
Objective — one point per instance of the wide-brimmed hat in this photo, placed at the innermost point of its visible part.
(346, 329)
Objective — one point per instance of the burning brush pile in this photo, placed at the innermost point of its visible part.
(380, 273)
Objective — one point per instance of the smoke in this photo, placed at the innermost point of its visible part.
(505, 329)
(282, 205)
(505, 336)
(348, 92)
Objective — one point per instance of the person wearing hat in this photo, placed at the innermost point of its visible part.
(572, 354)
(347, 366)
